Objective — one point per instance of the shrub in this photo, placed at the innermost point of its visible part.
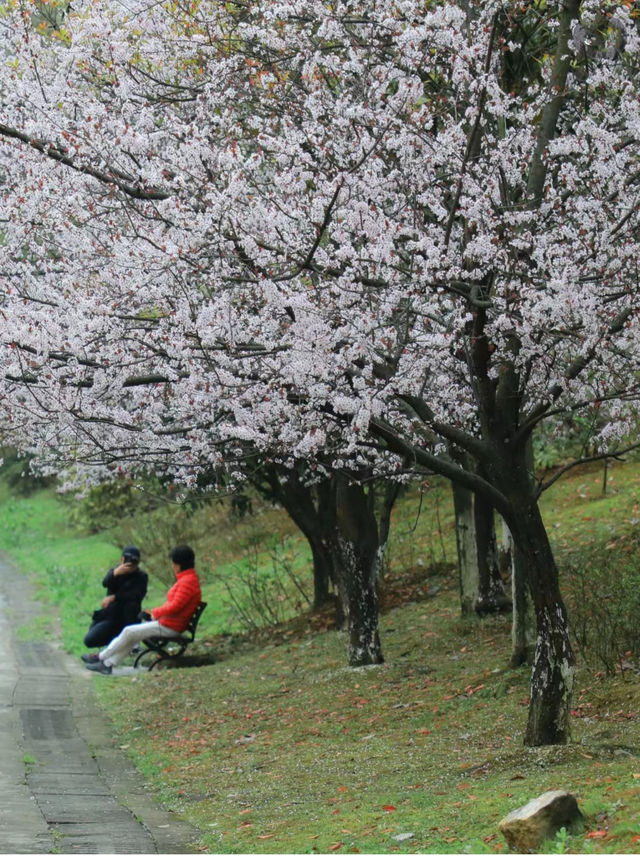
(107, 505)
(262, 596)
(18, 473)
(602, 587)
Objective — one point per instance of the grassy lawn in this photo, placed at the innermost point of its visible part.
(273, 745)
(283, 749)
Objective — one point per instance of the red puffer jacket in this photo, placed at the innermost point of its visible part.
(182, 599)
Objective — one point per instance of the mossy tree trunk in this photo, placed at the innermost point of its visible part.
(468, 572)
(523, 631)
(358, 543)
(553, 667)
(491, 592)
(346, 524)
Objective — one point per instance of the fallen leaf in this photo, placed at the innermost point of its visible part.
(389, 808)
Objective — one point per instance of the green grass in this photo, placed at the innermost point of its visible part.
(66, 565)
(577, 511)
(284, 749)
(278, 747)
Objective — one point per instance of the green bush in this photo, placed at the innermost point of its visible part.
(106, 505)
(262, 596)
(602, 587)
(19, 476)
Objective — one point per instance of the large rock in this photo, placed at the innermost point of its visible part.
(526, 828)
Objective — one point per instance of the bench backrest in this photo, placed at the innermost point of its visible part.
(195, 618)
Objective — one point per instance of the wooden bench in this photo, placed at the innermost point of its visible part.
(166, 648)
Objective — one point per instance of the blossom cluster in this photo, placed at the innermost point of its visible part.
(276, 226)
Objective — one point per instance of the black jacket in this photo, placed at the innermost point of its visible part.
(129, 591)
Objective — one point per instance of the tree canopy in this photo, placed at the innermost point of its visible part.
(310, 218)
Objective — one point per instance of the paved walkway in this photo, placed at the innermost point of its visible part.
(64, 786)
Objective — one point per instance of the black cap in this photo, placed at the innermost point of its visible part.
(131, 554)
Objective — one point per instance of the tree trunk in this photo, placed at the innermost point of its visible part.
(468, 572)
(491, 593)
(338, 517)
(357, 541)
(554, 662)
(508, 468)
(391, 491)
(523, 635)
(322, 572)
(325, 507)
(505, 552)
(481, 586)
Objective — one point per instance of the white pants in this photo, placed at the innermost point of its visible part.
(121, 646)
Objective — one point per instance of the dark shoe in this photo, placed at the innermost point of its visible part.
(100, 667)
(89, 658)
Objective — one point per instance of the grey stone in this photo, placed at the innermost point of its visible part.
(527, 827)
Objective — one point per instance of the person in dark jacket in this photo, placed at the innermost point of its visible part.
(126, 586)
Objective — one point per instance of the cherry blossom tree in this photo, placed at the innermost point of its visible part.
(367, 232)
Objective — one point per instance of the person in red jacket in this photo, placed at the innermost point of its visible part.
(170, 619)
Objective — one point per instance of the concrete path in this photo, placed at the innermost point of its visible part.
(64, 786)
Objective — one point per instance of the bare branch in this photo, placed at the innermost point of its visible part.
(604, 456)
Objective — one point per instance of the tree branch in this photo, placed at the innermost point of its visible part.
(601, 457)
(577, 366)
(126, 184)
(551, 112)
(473, 143)
(471, 480)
